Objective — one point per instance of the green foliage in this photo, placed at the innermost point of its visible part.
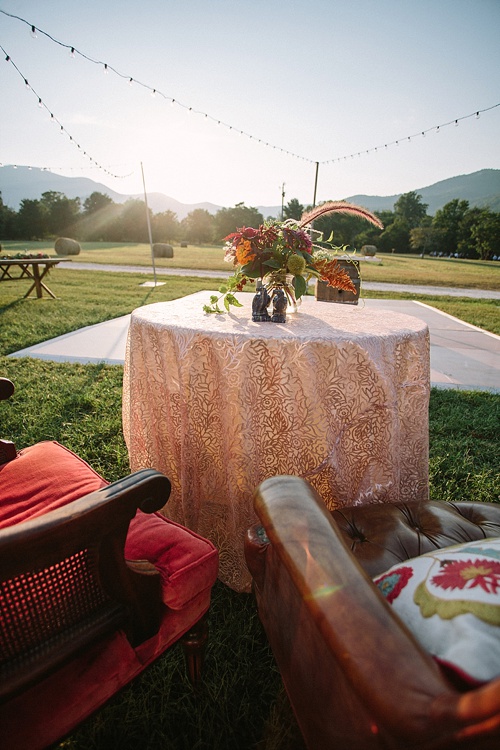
(198, 226)
(96, 202)
(410, 210)
(226, 296)
(228, 220)
(455, 228)
(293, 210)
(165, 227)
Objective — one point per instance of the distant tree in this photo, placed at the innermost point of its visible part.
(165, 227)
(100, 220)
(96, 202)
(466, 246)
(370, 235)
(31, 220)
(343, 229)
(132, 224)
(198, 226)
(410, 210)
(423, 239)
(446, 224)
(62, 213)
(8, 219)
(395, 237)
(486, 234)
(228, 220)
(293, 210)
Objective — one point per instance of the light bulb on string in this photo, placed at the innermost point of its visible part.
(27, 84)
(40, 103)
(456, 123)
(477, 115)
(72, 52)
(33, 32)
(153, 93)
(105, 69)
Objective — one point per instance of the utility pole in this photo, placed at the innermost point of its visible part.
(315, 184)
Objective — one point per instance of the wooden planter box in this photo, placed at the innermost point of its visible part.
(325, 293)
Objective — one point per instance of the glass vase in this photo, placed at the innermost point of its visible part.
(281, 279)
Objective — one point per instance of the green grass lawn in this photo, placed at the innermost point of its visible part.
(89, 297)
(400, 269)
(241, 704)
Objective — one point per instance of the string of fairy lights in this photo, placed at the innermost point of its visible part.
(155, 92)
(56, 121)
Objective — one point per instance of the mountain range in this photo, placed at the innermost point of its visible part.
(481, 189)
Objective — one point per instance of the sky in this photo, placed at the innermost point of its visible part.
(270, 97)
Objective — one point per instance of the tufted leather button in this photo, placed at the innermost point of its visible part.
(384, 534)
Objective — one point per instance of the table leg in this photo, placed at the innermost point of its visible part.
(37, 281)
(36, 274)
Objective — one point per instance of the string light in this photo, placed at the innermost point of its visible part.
(53, 118)
(74, 51)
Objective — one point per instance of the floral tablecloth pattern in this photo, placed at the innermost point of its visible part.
(338, 395)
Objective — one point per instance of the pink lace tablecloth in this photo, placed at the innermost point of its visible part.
(338, 395)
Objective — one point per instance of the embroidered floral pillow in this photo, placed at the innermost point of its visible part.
(450, 600)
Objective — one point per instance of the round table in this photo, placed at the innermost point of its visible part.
(338, 395)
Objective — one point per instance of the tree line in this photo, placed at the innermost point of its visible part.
(455, 230)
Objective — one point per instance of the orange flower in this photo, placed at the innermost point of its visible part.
(245, 253)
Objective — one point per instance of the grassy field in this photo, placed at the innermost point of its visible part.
(241, 704)
(400, 269)
(90, 297)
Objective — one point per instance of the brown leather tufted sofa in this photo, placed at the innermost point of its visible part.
(355, 675)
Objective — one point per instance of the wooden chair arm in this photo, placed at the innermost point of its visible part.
(308, 582)
(92, 517)
(70, 580)
(6, 388)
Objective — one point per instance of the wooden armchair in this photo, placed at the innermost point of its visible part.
(355, 673)
(94, 586)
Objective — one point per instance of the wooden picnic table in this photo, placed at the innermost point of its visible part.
(30, 268)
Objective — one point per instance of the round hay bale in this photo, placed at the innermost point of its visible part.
(369, 250)
(66, 246)
(162, 250)
(184, 244)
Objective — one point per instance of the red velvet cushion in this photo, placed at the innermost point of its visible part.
(41, 478)
(187, 562)
(47, 476)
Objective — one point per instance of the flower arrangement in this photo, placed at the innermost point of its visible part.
(286, 247)
(25, 256)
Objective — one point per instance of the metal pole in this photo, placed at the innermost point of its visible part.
(149, 224)
(315, 184)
